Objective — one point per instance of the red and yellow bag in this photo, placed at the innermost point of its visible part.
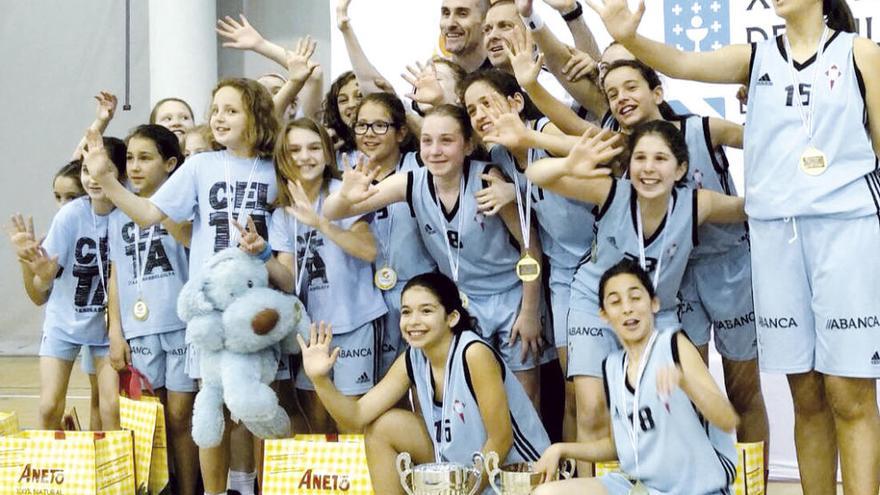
(316, 465)
(67, 463)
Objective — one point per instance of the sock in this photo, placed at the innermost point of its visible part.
(242, 482)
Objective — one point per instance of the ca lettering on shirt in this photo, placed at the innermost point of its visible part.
(256, 204)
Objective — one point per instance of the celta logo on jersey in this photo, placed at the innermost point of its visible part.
(587, 331)
(330, 482)
(777, 322)
(458, 408)
(858, 323)
(697, 25)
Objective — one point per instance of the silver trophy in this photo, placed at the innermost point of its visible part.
(440, 478)
(519, 478)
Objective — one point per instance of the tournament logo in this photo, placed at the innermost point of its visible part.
(697, 25)
(833, 74)
(458, 407)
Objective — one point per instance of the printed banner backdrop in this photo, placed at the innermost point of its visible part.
(692, 25)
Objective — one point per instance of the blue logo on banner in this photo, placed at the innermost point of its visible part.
(697, 25)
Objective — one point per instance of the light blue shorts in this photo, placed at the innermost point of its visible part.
(618, 484)
(162, 359)
(393, 344)
(591, 339)
(716, 292)
(86, 361)
(496, 315)
(357, 367)
(560, 298)
(67, 351)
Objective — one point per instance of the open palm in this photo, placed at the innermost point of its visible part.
(317, 358)
(620, 22)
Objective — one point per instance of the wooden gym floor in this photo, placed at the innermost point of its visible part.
(20, 388)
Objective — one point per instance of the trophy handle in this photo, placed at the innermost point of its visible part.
(477, 471)
(566, 468)
(493, 470)
(404, 468)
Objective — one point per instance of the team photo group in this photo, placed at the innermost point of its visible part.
(523, 260)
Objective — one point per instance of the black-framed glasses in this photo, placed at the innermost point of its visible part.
(379, 127)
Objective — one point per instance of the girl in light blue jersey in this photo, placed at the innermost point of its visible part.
(670, 424)
(645, 217)
(68, 272)
(811, 143)
(470, 401)
(148, 268)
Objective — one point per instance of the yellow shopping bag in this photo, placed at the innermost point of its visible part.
(145, 418)
(749, 469)
(8, 423)
(67, 463)
(316, 465)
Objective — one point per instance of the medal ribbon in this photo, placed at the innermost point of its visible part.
(806, 114)
(98, 253)
(140, 267)
(453, 266)
(640, 231)
(525, 214)
(633, 432)
(384, 247)
(230, 198)
(301, 265)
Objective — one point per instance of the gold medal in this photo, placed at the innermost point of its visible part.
(527, 268)
(464, 299)
(385, 278)
(813, 162)
(639, 489)
(140, 310)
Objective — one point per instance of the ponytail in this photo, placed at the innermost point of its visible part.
(838, 15)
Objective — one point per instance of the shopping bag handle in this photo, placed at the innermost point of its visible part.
(132, 382)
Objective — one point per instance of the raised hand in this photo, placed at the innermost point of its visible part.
(357, 182)
(579, 65)
(508, 129)
(561, 5)
(44, 267)
(300, 65)
(591, 150)
(21, 233)
(620, 22)
(426, 85)
(317, 359)
(498, 194)
(300, 206)
(106, 106)
(524, 7)
(525, 67)
(249, 240)
(342, 19)
(95, 157)
(240, 35)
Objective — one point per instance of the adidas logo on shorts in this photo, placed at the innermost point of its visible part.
(364, 378)
(765, 80)
(875, 359)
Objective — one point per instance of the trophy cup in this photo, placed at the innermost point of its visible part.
(440, 478)
(519, 478)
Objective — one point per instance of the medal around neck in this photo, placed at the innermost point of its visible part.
(141, 310)
(528, 269)
(813, 162)
(385, 278)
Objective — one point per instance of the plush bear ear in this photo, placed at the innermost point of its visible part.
(192, 300)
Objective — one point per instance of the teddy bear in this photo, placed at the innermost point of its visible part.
(239, 327)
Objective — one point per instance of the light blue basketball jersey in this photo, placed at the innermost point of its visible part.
(164, 264)
(617, 238)
(679, 451)
(775, 136)
(486, 250)
(565, 225)
(456, 426)
(75, 309)
(336, 287)
(397, 235)
(708, 169)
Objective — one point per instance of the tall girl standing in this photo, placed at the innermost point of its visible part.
(215, 188)
(812, 195)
